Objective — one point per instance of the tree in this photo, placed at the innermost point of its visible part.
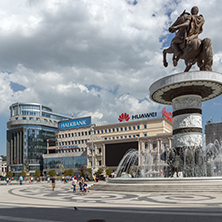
(37, 173)
(108, 171)
(23, 173)
(89, 170)
(71, 172)
(10, 174)
(66, 173)
(99, 172)
(52, 173)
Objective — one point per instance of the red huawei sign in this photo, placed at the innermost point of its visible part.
(167, 115)
(124, 116)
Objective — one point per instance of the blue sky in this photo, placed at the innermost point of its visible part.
(94, 58)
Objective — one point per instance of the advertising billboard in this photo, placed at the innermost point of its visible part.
(75, 123)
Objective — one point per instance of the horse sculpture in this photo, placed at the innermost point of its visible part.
(194, 50)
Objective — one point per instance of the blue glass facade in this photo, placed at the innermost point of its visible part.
(66, 162)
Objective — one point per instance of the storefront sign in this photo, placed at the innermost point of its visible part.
(75, 123)
(167, 115)
(126, 117)
(144, 115)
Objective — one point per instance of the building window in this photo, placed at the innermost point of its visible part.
(134, 127)
(105, 130)
(129, 136)
(82, 133)
(113, 138)
(145, 126)
(100, 162)
(121, 128)
(109, 130)
(138, 127)
(97, 131)
(145, 134)
(86, 133)
(125, 128)
(117, 129)
(134, 136)
(113, 129)
(129, 127)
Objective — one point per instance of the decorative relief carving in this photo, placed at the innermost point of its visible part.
(193, 139)
(186, 102)
(187, 120)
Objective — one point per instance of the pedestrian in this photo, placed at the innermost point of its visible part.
(74, 182)
(8, 181)
(21, 179)
(85, 187)
(94, 178)
(53, 181)
(80, 184)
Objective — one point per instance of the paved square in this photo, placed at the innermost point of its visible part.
(37, 202)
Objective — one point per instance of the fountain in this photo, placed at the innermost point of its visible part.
(187, 163)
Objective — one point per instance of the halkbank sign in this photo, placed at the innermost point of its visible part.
(75, 123)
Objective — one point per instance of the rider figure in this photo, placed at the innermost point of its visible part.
(188, 30)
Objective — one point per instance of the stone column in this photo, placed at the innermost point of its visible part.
(95, 155)
(103, 155)
(170, 142)
(187, 121)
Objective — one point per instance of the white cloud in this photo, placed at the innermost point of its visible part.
(91, 57)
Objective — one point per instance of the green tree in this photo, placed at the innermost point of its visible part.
(66, 173)
(37, 173)
(10, 174)
(23, 173)
(108, 171)
(99, 172)
(89, 170)
(52, 173)
(71, 172)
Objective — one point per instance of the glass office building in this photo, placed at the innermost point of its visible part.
(29, 127)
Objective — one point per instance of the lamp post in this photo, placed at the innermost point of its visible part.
(92, 166)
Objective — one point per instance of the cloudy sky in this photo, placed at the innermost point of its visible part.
(93, 57)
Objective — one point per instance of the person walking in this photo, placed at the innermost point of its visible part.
(21, 179)
(74, 182)
(53, 181)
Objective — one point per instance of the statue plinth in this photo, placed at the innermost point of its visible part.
(186, 92)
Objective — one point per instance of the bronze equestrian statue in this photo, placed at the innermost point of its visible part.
(186, 44)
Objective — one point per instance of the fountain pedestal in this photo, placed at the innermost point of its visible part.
(186, 92)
